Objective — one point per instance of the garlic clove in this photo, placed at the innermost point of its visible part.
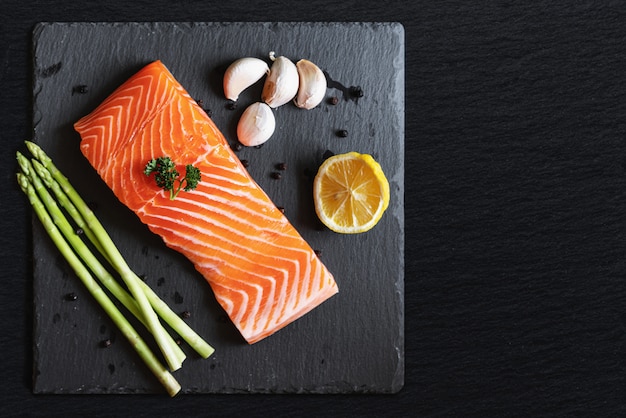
(256, 125)
(281, 85)
(312, 86)
(241, 74)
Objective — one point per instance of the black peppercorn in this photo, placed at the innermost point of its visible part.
(71, 297)
(342, 133)
(276, 175)
(245, 163)
(281, 166)
(333, 100)
(356, 91)
(178, 298)
(186, 314)
(81, 89)
(106, 343)
(231, 105)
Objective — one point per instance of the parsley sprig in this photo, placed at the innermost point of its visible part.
(168, 178)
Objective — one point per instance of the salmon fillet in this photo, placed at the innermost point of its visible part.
(262, 272)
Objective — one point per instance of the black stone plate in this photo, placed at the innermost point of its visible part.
(354, 342)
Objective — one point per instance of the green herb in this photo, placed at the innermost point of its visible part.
(168, 178)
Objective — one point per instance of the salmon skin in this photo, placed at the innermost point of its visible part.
(262, 272)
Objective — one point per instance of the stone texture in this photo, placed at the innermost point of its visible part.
(353, 342)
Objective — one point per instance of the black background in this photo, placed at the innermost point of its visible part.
(515, 158)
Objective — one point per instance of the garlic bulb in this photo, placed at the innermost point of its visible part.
(281, 85)
(256, 125)
(241, 74)
(312, 86)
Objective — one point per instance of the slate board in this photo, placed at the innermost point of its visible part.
(354, 342)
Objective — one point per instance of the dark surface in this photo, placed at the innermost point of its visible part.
(514, 210)
(352, 343)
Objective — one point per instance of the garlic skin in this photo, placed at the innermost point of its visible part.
(312, 88)
(281, 85)
(241, 74)
(256, 125)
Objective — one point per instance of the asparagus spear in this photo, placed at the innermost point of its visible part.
(82, 250)
(162, 309)
(114, 257)
(162, 374)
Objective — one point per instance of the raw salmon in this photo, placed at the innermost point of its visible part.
(260, 269)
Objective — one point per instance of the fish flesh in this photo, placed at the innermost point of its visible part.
(260, 269)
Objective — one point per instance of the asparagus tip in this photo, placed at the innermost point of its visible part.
(42, 172)
(23, 182)
(37, 151)
(23, 163)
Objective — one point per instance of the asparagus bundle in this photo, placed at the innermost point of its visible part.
(39, 175)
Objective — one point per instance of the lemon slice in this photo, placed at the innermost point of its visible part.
(350, 192)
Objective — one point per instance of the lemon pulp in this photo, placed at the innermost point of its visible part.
(350, 193)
